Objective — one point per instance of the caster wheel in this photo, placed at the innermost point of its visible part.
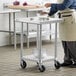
(37, 63)
(57, 65)
(42, 68)
(23, 64)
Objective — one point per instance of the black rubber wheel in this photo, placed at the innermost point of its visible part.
(42, 68)
(23, 64)
(57, 65)
(37, 63)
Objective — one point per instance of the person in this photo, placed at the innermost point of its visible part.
(68, 42)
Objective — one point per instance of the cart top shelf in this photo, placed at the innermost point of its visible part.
(39, 20)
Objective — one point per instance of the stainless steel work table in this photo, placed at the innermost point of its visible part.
(40, 56)
(27, 9)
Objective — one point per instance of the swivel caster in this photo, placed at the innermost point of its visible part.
(42, 68)
(57, 65)
(23, 64)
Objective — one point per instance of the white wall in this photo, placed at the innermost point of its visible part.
(4, 37)
(3, 24)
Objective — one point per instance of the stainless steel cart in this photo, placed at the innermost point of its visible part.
(39, 58)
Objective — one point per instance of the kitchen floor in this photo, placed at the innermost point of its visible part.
(10, 62)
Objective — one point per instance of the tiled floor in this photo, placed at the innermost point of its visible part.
(10, 59)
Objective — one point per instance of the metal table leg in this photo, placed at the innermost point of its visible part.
(21, 52)
(27, 35)
(50, 29)
(27, 32)
(39, 35)
(14, 30)
(39, 43)
(55, 41)
(56, 63)
(9, 28)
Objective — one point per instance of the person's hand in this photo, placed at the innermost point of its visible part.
(42, 13)
(47, 5)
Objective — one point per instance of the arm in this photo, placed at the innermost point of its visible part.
(62, 6)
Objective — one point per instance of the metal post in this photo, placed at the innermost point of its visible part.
(39, 42)
(37, 38)
(55, 41)
(50, 30)
(21, 52)
(27, 32)
(9, 28)
(14, 30)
